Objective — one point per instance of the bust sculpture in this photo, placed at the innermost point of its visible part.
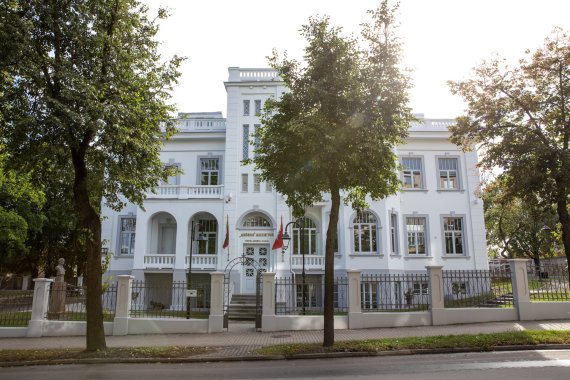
(60, 270)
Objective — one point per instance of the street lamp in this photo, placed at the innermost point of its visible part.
(201, 237)
(286, 239)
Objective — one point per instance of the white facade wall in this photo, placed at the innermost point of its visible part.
(209, 135)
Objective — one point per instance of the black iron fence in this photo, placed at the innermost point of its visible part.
(477, 288)
(67, 302)
(15, 307)
(394, 292)
(170, 300)
(548, 281)
(291, 298)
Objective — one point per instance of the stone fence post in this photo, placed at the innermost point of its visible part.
(39, 306)
(216, 318)
(521, 293)
(268, 312)
(123, 305)
(437, 308)
(354, 307)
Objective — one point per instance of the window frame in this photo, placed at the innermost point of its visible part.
(256, 183)
(422, 173)
(376, 230)
(173, 164)
(465, 252)
(257, 107)
(312, 233)
(199, 169)
(459, 177)
(244, 185)
(245, 142)
(394, 233)
(132, 244)
(246, 107)
(209, 235)
(426, 235)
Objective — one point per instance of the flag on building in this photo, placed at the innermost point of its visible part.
(227, 241)
(279, 241)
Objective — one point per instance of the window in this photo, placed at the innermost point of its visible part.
(459, 288)
(268, 186)
(244, 182)
(416, 230)
(365, 227)
(246, 108)
(245, 145)
(172, 179)
(256, 220)
(309, 237)
(453, 235)
(394, 233)
(369, 295)
(256, 183)
(209, 171)
(127, 236)
(208, 228)
(448, 173)
(256, 141)
(420, 288)
(312, 294)
(257, 107)
(412, 171)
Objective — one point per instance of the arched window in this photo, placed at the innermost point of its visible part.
(256, 220)
(309, 237)
(365, 232)
(209, 228)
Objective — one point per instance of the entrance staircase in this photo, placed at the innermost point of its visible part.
(242, 307)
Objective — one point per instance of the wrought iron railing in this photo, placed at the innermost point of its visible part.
(290, 298)
(477, 288)
(394, 292)
(67, 302)
(15, 307)
(548, 281)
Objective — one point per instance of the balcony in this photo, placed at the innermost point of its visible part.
(316, 262)
(187, 192)
(203, 261)
(159, 261)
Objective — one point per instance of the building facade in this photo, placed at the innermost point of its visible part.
(436, 219)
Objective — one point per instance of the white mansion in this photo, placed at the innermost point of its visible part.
(437, 218)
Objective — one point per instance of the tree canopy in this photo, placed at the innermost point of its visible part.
(519, 116)
(83, 88)
(335, 129)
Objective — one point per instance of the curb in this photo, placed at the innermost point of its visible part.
(320, 355)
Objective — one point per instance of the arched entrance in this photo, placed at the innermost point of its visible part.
(252, 267)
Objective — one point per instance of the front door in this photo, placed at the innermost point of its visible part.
(259, 253)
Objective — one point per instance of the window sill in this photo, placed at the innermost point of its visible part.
(366, 255)
(415, 190)
(395, 255)
(455, 257)
(418, 257)
(450, 190)
(124, 257)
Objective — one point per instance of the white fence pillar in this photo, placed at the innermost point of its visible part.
(268, 313)
(437, 307)
(123, 305)
(521, 292)
(216, 318)
(39, 306)
(354, 307)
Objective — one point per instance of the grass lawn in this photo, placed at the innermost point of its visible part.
(482, 341)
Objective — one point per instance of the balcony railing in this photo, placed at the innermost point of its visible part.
(159, 261)
(187, 192)
(311, 261)
(202, 261)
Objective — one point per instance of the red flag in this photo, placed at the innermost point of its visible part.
(227, 241)
(279, 241)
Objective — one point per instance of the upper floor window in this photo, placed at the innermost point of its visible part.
(246, 107)
(245, 143)
(412, 171)
(416, 231)
(256, 183)
(209, 171)
(256, 220)
(208, 228)
(393, 233)
(127, 235)
(257, 107)
(309, 244)
(448, 173)
(365, 233)
(172, 179)
(256, 141)
(453, 235)
(244, 181)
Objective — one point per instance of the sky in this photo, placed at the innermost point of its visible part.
(442, 40)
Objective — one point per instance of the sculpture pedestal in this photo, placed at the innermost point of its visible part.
(56, 308)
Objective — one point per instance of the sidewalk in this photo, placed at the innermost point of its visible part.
(241, 339)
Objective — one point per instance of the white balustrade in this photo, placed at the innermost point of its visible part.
(311, 261)
(202, 261)
(187, 192)
(159, 261)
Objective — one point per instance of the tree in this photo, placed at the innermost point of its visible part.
(336, 129)
(520, 118)
(83, 87)
(515, 225)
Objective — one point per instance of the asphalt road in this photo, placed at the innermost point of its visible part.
(554, 364)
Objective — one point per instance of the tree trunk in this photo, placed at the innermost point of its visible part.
(90, 219)
(562, 210)
(328, 334)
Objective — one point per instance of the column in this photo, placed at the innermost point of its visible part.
(216, 318)
(268, 321)
(354, 307)
(437, 307)
(521, 293)
(39, 306)
(123, 305)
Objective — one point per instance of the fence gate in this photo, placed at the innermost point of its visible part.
(228, 289)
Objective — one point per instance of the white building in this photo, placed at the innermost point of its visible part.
(437, 219)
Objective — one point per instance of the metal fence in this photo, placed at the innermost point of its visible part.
(394, 292)
(290, 299)
(548, 281)
(169, 300)
(477, 288)
(67, 302)
(15, 307)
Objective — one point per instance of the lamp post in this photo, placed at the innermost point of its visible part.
(286, 238)
(201, 237)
